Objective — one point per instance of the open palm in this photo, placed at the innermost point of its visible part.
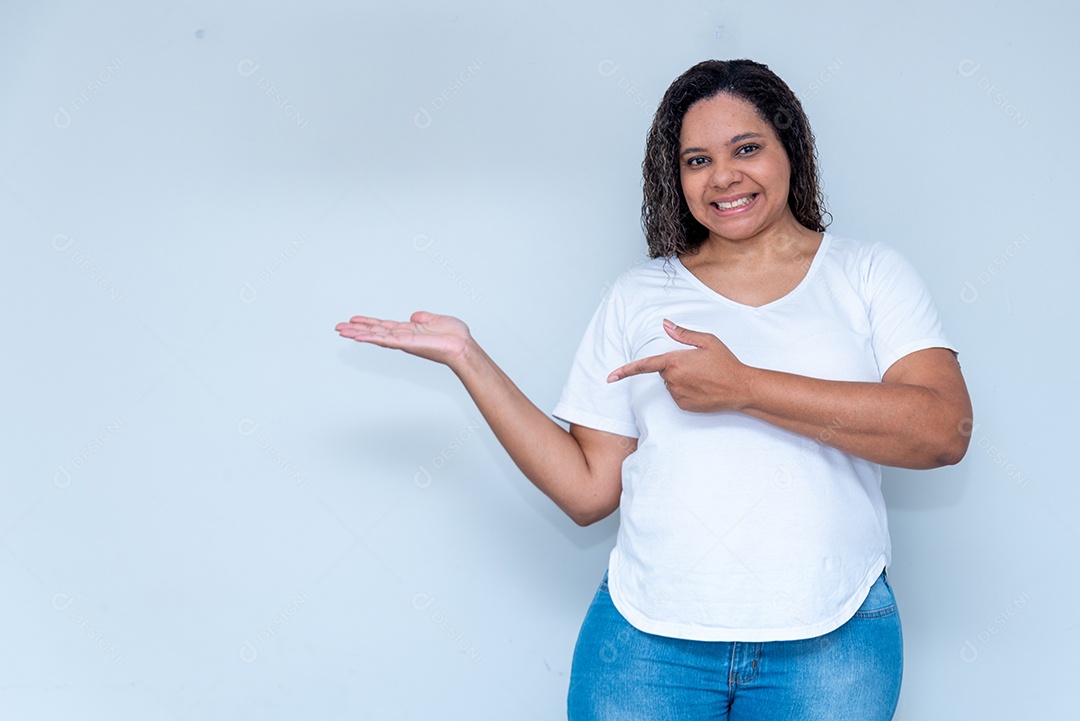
(441, 338)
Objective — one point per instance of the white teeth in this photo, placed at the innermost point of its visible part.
(735, 204)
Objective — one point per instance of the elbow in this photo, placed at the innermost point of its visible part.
(583, 520)
(931, 450)
(588, 515)
(593, 503)
(951, 456)
(951, 448)
(955, 433)
(958, 451)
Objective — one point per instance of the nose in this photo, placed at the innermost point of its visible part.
(723, 175)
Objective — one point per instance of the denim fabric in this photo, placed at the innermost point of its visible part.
(622, 674)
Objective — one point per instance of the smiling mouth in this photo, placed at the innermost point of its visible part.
(735, 203)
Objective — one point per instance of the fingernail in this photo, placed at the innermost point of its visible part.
(668, 323)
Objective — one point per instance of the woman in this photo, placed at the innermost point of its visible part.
(743, 444)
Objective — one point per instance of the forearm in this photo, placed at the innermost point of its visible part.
(894, 424)
(549, 456)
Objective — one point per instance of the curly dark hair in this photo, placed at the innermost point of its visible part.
(669, 227)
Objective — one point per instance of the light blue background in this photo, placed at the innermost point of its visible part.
(215, 508)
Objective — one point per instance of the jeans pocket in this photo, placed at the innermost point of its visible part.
(880, 601)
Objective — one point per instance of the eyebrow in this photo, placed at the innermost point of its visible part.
(736, 139)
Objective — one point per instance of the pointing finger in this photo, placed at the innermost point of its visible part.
(652, 364)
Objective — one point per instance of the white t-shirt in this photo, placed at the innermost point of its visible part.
(732, 529)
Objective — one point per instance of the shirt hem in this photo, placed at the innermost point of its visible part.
(913, 347)
(569, 414)
(746, 635)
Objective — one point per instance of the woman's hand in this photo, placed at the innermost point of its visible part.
(441, 338)
(705, 378)
(580, 470)
(918, 416)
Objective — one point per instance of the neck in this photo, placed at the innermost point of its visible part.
(774, 244)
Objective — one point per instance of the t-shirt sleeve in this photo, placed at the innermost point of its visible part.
(587, 398)
(903, 317)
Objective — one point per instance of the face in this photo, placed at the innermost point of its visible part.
(734, 170)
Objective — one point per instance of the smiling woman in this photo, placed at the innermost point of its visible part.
(735, 178)
(748, 576)
(670, 227)
(752, 164)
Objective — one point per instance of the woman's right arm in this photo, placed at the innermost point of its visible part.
(580, 470)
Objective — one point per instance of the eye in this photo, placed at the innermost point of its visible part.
(747, 149)
(697, 161)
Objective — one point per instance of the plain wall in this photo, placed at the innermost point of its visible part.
(215, 508)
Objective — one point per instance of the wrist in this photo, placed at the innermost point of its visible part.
(469, 361)
(750, 384)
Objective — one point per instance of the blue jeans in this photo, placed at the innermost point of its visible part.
(620, 673)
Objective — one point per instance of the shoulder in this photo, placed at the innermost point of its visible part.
(643, 275)
(866, 260)
(844, 248)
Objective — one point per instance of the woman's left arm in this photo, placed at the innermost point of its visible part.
(918, 416)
